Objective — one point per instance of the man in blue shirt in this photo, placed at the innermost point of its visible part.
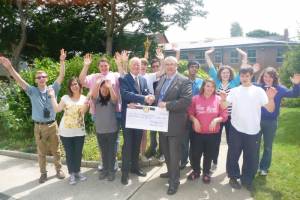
(43, 115)
(193, 67)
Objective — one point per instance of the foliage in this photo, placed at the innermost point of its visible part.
(182, 68)
(291, 65)
(282, 180)
(291, 103)
(236, 30)
(259, 33)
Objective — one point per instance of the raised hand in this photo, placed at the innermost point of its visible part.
(159, 53)
(271, 92)
(6, 63)
(63, 55)
(175, 47)
(125, 56)
(243, 53)
(295, 79)
(118, 58)
(87, 59)
(210, 51)
(256, 67)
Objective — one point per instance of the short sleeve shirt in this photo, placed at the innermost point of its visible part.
(41, 100)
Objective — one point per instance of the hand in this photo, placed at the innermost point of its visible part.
(118, 58)
(108, 84)
(295, 79)
(196, 125)
(256, 67)
(81, 111)
(223, 95)
(87, 59)
(213, 125)
(6, 63)
(162, 104)
(175, 47)
(210, 51)
(51, 92)
(149, 99)
(159, 53)
(271, 92)
(63, 55)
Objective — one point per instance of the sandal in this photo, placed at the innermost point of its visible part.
(193, 175)
(206, 179)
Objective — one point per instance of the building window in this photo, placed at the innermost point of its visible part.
(218, 56)
(184, 56)
(251, 56)
(199, 56)
(279, 57)
(234, 57)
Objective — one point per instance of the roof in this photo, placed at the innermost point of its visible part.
(231, 42)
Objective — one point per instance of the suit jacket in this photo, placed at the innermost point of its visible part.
(129, 93)
(178, 98)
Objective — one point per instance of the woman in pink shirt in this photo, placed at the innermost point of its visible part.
(206, 113)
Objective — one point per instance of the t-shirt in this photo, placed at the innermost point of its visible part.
(91, 80)
(41, 100)
(72, 122)
(150, 78)
(105, 118)
(196, 85)
(246, 108)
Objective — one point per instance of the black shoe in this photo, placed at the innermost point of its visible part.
(139, 172)
(164, 175)
(172, 189)
(124, 178)
(111, 176)
(103, 174)
(234, 184)
(182, 166)
(249, 187)
(43, 178)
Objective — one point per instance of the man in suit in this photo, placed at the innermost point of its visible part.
(134, 90)
(173, 92)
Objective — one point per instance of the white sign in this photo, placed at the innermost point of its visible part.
(147, 118)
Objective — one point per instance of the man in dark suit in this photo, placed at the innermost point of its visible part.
(174, 92)
(134, 90)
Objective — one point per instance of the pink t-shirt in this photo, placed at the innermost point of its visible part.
(91, 80)
(205, 110)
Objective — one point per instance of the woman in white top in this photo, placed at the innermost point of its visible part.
(72, 128)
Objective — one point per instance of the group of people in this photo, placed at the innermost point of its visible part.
(198, 112)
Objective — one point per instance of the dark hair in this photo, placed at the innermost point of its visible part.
(247, 69)
(192, 62)
(209, 80)
(271, 71)
(154, 60)
(222, 68)
(70, 85)
(103, 100)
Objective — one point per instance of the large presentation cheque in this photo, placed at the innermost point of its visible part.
(147, 118)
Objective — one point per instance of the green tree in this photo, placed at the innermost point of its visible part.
(291, 65)
(236, 30)
(261, 33)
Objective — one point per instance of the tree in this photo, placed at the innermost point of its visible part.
(236, 30)
(259, 33)
(291, 65)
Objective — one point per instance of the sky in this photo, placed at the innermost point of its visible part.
(270, 15)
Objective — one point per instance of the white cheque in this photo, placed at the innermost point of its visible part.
(147, 118)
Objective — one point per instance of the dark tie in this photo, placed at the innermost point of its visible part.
(164, 88)
(136, 85)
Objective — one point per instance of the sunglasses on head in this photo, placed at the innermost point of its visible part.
(40, 77)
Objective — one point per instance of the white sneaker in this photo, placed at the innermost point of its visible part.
(80, 176)
(72, 180)
(214, 167)
(100, 167)
(144, 159)
(263, 173)
(161, 158)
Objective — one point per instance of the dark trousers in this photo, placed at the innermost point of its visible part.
(131, 148)
(153, 143)
(249, 145)
(107, 142)
(226, 125)
(171, 148)
(73, 147)
(185, 145)
(203, 144)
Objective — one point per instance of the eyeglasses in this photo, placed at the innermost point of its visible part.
(40, 77)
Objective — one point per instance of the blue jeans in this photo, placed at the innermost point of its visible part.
(268, 131)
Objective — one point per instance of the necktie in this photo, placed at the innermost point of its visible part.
(136, 84)
(164, 88)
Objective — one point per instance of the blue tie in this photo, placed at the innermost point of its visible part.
(164, 88)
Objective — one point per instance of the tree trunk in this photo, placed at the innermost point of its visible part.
(109, 41)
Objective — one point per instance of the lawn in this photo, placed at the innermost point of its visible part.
(283, 180)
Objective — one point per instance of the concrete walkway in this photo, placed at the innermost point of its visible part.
(19, 180)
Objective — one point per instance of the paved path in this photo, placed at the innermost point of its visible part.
(19, 180)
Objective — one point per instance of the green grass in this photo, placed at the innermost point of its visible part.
(282, 182)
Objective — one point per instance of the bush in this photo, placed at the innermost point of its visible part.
(291, 103)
